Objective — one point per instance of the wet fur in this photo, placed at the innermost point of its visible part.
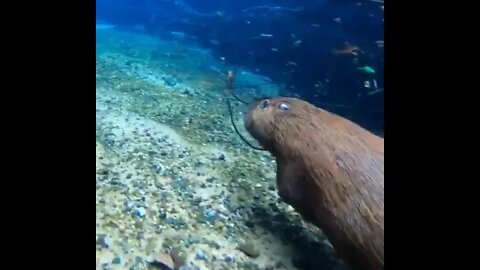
(331, 171)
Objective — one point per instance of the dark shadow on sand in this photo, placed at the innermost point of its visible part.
(310, 251)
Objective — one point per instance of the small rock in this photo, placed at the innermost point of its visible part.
(103, 241)
(116, 260)
(162, 214)
(210, 214)
(138, 260)
(249, 249)
(126, 248)
(229, 258)
(163, 261)
(222, 157)
(169, 81)
(128, 205)
(200, 255)
(140, 212)
(210, 179)
(115, 182)
(159, 168)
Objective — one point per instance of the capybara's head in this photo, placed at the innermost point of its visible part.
(274, 122)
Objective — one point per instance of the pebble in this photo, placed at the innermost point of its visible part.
(229, 258)
(210, 214)
(222, 157)
(210, 179)
(103, 241)
(115, 182)
(128, 205)
(162, 214)
(163, 261)
(169, 81)
(159, 168)
(249, 249)
(200, 255)
(116, 260)
(126, 248)
(140, 212)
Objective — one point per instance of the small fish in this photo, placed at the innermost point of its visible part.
(297, 43)
(215, 69)
(104, 26)
(291, 63)
(315, 25)
(266, 35)
(375, 92)
(348, 49)
(214, 42)
(222, 58)
(274, 49)
(338, 20)
(367, 69)
(178, 34)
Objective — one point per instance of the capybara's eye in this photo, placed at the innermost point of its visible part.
(263, 105)
(284, 107)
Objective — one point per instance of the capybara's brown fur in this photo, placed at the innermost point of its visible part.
(330, 170)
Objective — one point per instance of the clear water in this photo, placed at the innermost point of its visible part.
(172, 174)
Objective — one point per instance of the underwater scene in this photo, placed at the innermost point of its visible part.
(185, 175)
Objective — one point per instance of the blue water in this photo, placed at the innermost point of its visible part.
(299, 55)
(170, 168)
